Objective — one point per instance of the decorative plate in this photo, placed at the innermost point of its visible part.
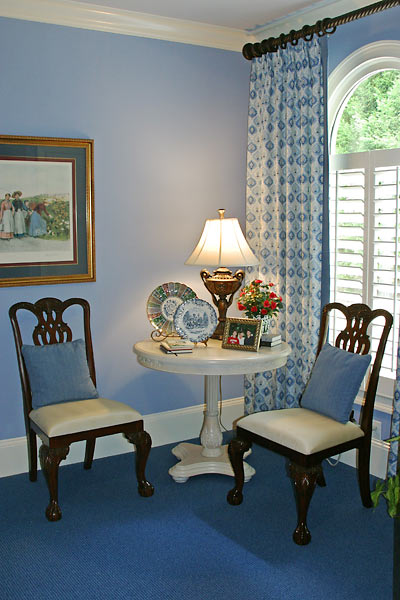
(163, 302)
(195, 320)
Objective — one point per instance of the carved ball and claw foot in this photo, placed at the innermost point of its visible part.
(53, 511)
(142, 441)
(305, 480)
(234, 497)
(145, 489)
(236, 451)
(50, 459)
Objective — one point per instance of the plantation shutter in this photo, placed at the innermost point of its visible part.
(386, 231)
(365, 238)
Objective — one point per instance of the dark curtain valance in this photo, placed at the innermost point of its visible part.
(320, 29)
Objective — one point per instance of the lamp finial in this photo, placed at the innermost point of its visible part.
(221, 213)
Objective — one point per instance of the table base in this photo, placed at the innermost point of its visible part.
(192, 462)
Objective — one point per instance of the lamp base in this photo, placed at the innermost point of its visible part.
(222, 285)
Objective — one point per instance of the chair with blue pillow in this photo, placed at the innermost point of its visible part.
(323, 426)
(61, 402)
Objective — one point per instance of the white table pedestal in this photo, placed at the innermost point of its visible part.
(211, 456)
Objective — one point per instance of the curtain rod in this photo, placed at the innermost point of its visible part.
(307, 32)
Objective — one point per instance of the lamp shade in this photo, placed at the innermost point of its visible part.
(222, 243)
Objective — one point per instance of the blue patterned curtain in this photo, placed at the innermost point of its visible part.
(284, 211)
(394, 446)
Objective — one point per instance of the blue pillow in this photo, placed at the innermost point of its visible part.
(58, 373)
(334, 382)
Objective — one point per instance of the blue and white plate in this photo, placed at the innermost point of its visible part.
(195, 320)
(163, 302)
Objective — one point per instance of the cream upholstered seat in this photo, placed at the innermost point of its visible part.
(61, 402)
(300, 429)
(323, 427)
(81, 415)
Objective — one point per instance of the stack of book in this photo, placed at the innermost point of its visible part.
(176, 346)
(271, 339)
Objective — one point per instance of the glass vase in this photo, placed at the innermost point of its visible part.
(265, 324)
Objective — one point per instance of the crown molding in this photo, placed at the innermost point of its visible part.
(308, 16)
(101, 18)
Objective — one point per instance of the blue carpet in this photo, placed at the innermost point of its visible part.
(186, 542)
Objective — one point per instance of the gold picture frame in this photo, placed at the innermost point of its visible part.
(242, 334)
(47, 233)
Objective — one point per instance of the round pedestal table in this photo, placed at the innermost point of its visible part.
(212, 361)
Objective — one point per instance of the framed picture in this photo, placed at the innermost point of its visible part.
(242, 334)
(46, 211)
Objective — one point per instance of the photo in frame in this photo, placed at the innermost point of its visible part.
(242, 334)
(46, 211)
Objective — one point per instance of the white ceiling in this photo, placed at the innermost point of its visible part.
(236, 14)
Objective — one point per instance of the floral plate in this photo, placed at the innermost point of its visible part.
(163, 302)
(195, 320)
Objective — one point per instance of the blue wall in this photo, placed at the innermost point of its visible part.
(169, 123)
(348, 38)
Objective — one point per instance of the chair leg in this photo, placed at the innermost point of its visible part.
(321, 479)
(142, 441)
(89, 453)
(236, 450)
(364, 454)
(305, 480)
(32, 454)
(50, 459)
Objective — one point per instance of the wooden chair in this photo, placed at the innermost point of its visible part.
(306, 437)
(59, 425)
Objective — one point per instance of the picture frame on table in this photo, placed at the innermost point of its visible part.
(47, 233)
(242, 334)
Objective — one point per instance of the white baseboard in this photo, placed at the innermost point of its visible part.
(379, 458)
(165, 428)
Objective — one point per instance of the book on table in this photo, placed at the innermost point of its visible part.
(177, 344)
(270, 344)
(176, 347)
(271, 339)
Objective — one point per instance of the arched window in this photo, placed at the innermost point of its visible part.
(364, 117)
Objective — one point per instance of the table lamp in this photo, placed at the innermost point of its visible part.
(222, 244)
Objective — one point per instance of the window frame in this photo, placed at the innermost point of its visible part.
(364, 62)
(358, 66)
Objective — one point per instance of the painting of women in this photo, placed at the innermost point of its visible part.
(38, 225)
(20, 212)
(7, 218)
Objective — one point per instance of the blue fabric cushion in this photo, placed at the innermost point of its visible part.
(58, 373)
(334, 382)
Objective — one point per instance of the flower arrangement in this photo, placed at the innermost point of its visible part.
(259, 300)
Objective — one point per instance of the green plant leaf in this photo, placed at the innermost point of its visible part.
(380, 489)
(392, 495)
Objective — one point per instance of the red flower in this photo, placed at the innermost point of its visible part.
(258, 281)
(266, 303)
(263, 311)
(272, 295)
(271, 284)
(280, 298)
(273, 305)
(254, 309)
(241, 307)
